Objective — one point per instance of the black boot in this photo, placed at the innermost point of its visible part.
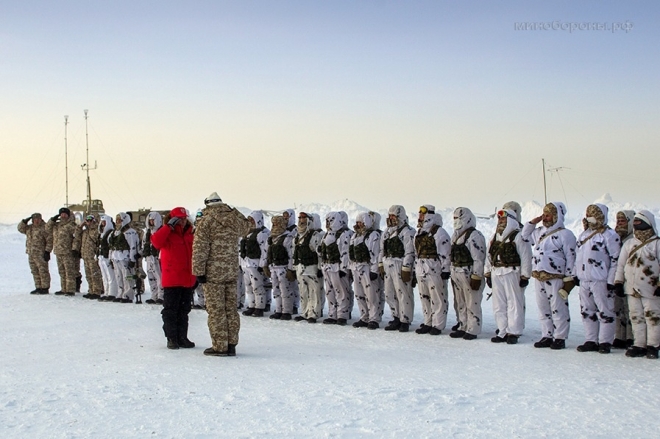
(404, 327)
(285, 316)
(360, 324)
(258, 312)
(590, 346)
(78, 283)
(457, 334)
(329, 321)
(342, 322)
(435, 331)
(512, 339)
(35, 291)
(423, 329)
(185, 343)
(373, 325)
(276, 316)
(231, 350)
(43, 290)
(604, 348)
(558, 344)
(248, 312)
(299, 318)
(172, 344)
(636, 351)
(545, 342)
(619, 344)
(652, 352)
(394, 325)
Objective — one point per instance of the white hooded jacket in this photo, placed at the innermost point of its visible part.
(262, 240)
(132, 239)
(337, 223)
(639, 267)
(371, 238)
(553, 248)
(425, 266)
(596, 254)
(403, 232)
(523, 248)
(476, 243)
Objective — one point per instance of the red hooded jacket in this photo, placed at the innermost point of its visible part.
(175, 255)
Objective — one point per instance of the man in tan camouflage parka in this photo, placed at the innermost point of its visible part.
(86, 242)
(38, 247)
(62, 227)
(215, 263)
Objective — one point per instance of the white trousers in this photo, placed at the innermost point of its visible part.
(433, 296)
(554, 316)
(398, 294)
(645, 318)
(508, 303)
(254, 288)
(597, 309)
(155, 278)
(369, 294)
(468, 301)
(311, 293)
(108, 276)
(338, 294)
(283, 290)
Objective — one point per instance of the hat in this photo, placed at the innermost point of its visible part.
(178, 212)
(64, 210)
(36, 215)
(213, 199)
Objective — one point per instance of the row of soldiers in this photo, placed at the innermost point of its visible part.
(307, 267)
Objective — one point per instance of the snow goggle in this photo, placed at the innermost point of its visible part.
(423, 209)
(199, 214)
(504, 214)
(89, 218)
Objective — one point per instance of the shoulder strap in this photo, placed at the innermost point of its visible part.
(550, 233)
(648, 241)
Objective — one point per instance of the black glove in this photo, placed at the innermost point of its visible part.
(342, 273)
(413, 281)
(576, 281)
(610, 287)
(201, 279)
(196, 285)
(75, 254)
(46, 256)
(489, 282)
(173, 222)
(445, 275)
(319, 273)
(618, 290)
(26, 220)
(131, 264)
(656, 293)
(55, 218)
(260, 270)
(373, 276)
(523, 283)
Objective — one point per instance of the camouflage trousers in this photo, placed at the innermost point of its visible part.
(66, 266)
(39, 269)
(93, 276)
(224, 321)
(645, 318)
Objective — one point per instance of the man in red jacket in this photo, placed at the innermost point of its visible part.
(175, 244)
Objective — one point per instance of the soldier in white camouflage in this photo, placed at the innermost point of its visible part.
(62, 228)
(38, 246)
(215, 263)
(153, 222)
(86, 243)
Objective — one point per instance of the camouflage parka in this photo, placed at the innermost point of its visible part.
(38, 240)
(215, 253)
(86, 240)
(62, 232)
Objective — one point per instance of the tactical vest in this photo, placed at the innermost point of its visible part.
(118, 242)
(425, 244)
(504, 253)
(460, 254)
(291, 228)
(250, 246)
(149, 250)
(104, 245)
(330, 253)
(302, 254)
(277, 254)
(360, 253)
(393, 246)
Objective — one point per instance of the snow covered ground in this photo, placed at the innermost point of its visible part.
(73, 368)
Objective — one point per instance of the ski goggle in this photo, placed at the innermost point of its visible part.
(199, 214)
(504, 214)
(89, 218)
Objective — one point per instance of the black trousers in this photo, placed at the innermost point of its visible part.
(177, 303)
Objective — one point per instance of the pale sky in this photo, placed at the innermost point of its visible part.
(272, 103)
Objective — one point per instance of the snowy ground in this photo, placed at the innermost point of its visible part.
(73, 368)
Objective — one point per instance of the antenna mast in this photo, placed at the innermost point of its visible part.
(545, 188)
(66, 162)
(86, 168)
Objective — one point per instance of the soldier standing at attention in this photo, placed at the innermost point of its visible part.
(86, 244)
(215, 263)
(38, 247)
(62, 227)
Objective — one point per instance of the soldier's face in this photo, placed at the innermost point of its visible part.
(37, 220)
(64, 215)
(547, 219)
(102, 224)
(286, 217)
(151, 221)
(251, 221)
(118, 220)
(620, 222)
(501, 221)
(302, 220)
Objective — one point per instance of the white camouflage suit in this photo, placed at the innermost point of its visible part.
(123, 259)
(335, 263)
(638, 269)
(398, 294)
(365, 247)
(467, 274)
(429, 268)
(508, 296)
(106, 227)
(151, 260)
(293, 230)
(553, 263)
(252, 267)
(623, 333)
(308, 240)
(596, 256)
(283, 288)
